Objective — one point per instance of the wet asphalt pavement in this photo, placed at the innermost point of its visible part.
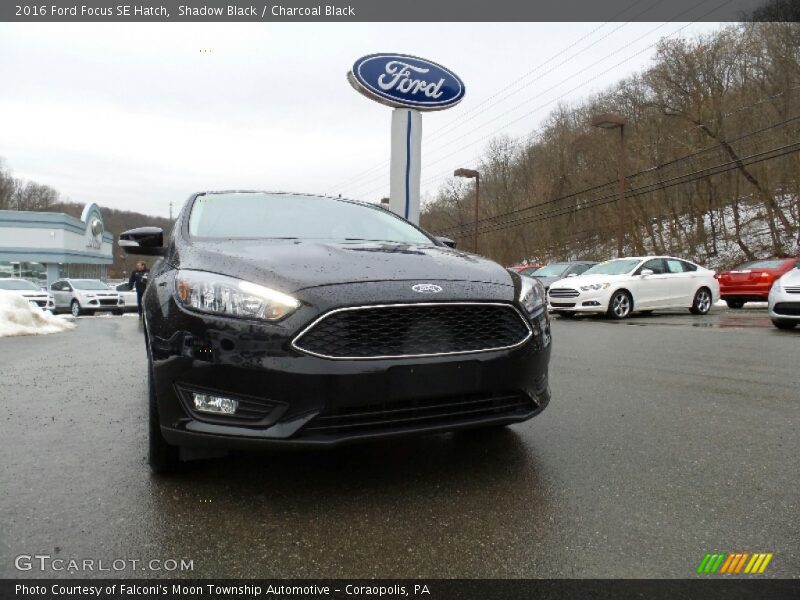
(668, 436)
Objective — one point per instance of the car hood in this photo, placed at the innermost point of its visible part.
(27, 293)
(292, 265)
(574, 282)
(791, 278)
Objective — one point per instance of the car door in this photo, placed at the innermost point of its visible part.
(651, 291)
(58, 293)
(681, 283)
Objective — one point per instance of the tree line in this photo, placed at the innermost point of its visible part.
(711, 162)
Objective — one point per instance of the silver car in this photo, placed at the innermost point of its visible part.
(28, 290)
(85, 296)
(128, 295)
(784, 300)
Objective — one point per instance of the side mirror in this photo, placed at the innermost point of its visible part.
(144, 241)
(446, 241)
(646, 272)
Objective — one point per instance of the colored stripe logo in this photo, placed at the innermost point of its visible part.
(734, 563)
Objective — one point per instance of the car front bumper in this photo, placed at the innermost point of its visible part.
(784, 306)
(587, 302)
(304, 400)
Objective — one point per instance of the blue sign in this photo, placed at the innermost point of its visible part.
(406, 81)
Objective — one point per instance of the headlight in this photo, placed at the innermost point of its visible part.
(222, 295)
(594, 286)
(531, 295)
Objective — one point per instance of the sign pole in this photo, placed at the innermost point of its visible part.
(404, 172)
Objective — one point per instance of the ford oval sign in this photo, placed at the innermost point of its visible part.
(426, 288)
(406, 81)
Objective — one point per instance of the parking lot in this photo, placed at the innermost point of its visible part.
(668, 436)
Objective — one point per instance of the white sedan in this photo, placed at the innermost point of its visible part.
(643, 284)
(784, 300)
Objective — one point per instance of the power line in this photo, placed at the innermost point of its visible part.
(629, 177)
(518, 79)
(527, 114)
(686, 178)
(445, 174)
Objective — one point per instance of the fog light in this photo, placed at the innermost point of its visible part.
(591, 303)
(214, 404)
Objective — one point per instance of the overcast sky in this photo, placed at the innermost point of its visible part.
(134, 116)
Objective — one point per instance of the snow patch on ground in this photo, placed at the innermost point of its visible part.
(19, 317)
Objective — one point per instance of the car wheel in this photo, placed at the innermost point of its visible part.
(620, 305)
(164, 458)
(75, 308)
(784, 323)
(702, 302)
(734, 303)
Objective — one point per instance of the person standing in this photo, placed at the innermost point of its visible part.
(138, 281)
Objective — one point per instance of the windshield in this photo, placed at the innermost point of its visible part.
(287, 216)
(553, 270)
(88, 284)
(760, 264)
(17, 284)
(614, 267)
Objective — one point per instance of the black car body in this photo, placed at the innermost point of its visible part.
(380, 338)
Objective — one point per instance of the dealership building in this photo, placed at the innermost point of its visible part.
(43, 247)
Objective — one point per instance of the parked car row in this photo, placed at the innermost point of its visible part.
(644, 284)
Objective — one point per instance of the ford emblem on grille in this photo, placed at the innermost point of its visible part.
(426, 288)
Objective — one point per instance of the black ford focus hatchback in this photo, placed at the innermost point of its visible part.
(294, 320)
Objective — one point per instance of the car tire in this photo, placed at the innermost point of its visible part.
(75, 308)
(620, 306)
(784, 323)
(701, 305)
(163, 458)
(735, 304)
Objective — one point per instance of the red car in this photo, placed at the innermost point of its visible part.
(519, 268)
(752, 281)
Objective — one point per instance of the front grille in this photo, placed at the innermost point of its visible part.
(108, 302)
(418, 413)
(792, 290)
(425, 329)
(562, 304)
(563, 293)
(791, 309)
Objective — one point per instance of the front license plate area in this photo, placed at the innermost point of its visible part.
(430, 381)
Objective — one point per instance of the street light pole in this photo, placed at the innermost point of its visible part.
(614, 121)
(473, 174)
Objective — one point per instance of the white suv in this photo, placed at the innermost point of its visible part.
(86, 296)
(30, 291)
